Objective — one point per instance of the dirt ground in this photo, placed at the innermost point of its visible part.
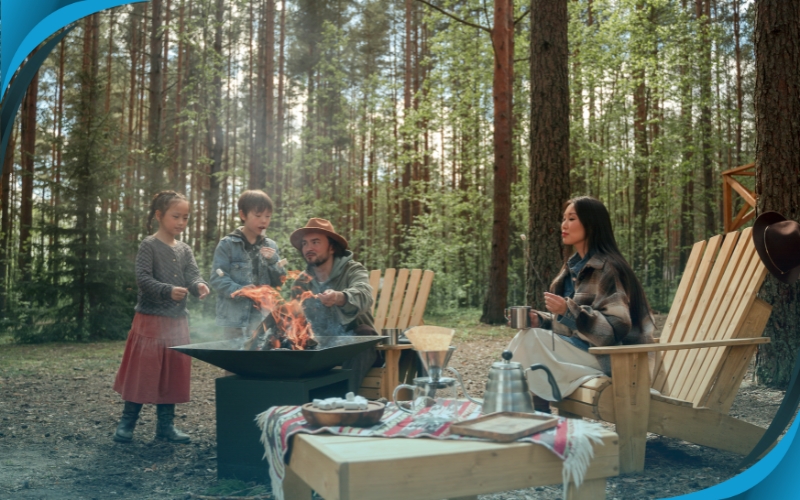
(58, 413)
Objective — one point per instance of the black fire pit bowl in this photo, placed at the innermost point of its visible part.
(331, 352)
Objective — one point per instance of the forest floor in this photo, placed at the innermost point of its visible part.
(58, 413)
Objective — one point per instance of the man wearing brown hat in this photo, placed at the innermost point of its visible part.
(343, 295)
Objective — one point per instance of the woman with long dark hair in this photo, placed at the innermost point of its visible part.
(595, 300)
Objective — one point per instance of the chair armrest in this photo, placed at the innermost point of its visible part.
(674, 346)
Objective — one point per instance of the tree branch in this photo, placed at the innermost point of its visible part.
(452, 16)
(521, 16)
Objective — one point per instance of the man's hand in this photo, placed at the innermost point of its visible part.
(555, 303)
(332, 298)
(202, 288)
(267, 252)
(178, 293)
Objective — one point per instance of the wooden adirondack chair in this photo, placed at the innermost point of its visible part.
(712, 331)
(403, 297)
(402, 300)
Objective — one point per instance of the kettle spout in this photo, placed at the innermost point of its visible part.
(550, 379)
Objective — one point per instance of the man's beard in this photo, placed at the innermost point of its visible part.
(320, 260)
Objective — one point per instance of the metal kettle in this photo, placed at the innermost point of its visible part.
(507, 388)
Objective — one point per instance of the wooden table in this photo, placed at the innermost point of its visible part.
(347, 468)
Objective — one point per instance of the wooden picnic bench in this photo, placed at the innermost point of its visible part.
(401, 304)
(349, 467)
(712, 331)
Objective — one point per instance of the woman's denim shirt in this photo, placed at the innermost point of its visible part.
(233, 270)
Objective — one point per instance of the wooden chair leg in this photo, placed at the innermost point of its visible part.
(593, 489)
(294, 487)
(391, 374)
(631, 386)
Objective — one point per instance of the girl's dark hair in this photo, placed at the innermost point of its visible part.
(161, 202)
(600, 238)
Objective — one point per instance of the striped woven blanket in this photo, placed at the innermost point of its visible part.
(571, 440)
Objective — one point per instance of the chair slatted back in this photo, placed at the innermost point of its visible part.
(400, 297)
(715, 296)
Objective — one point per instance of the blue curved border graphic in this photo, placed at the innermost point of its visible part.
(28, 23)
(16, 92)
(774, 476)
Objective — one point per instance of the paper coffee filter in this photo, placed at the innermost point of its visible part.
(430, 338)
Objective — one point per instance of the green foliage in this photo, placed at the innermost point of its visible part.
(349, 139)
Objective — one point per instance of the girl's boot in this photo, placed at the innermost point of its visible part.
(130, 414)
(165, 428)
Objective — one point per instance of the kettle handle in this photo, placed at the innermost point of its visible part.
(394, 397)
(550, 379)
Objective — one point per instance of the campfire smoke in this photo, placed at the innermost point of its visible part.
(285, 326)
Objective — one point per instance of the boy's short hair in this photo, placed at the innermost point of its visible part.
(254, 200)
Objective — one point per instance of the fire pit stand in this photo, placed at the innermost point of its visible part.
(267, 378)
(239, 399)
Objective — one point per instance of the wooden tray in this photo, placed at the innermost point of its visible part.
(354, 418)
(504, 426)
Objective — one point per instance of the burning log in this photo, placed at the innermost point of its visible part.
(285, 325)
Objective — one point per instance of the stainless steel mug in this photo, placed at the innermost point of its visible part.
(518, 317)
(393, 334)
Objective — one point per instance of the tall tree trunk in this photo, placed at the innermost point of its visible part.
(129, 195)
(154, 117)
(27, 157)
(687, 172)
(549, 171)
(739, 94)
(178, 141)
(264, 99)
(252, 83)
(640, 167)
(502, 93)
(269, 103)
(279, 182)
(85, 186)
(704, 16)
(5, 221)
(56, 198)
(408, 82)
(777, 106)
(215, 145)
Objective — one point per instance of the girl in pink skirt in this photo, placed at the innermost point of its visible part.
(166, 273)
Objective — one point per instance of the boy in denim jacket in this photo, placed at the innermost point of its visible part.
(245, 259)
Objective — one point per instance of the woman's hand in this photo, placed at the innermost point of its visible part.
(203, 290)
(534, 317)
(179, 293)
(555, 303)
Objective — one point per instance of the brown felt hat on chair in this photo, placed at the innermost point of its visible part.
(777, 241)
(315, 225)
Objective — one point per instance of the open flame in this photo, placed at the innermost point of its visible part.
(290, 320)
